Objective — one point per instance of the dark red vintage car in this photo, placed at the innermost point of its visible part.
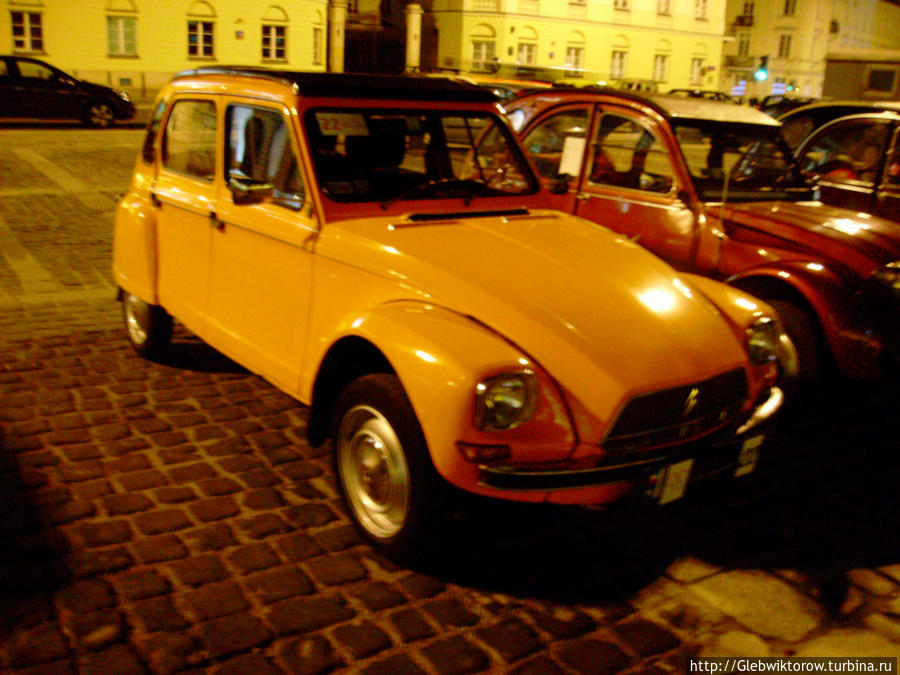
(712, 188)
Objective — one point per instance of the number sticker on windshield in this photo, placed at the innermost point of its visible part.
(338, 123)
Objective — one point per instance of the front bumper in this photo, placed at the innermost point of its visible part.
(709, 457)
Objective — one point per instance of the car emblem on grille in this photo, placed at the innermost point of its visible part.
(691, 401)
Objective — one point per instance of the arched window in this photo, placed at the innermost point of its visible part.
(274, 34)
(121, 28)
(661, 61)
(201, 30)
(575, 54)
(484, 49)
(526, 53)
(698, 64)
(318, 38)
(618, 65)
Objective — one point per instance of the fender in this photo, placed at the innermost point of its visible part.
(134, 247)
(439, 357)
(836, 301)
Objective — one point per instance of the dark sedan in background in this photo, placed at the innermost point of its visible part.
(32, 89)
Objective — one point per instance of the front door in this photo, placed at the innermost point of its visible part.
(629, 185)
(184, 194)
(261, 262)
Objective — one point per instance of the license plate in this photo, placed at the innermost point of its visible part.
(748, 456)
(674, 481)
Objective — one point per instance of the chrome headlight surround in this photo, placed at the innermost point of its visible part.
(505, 401)
(762, 341)
(889, 277)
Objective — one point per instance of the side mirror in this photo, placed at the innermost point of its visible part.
(249, 191)
(560, 184)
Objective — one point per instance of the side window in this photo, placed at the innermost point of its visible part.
(189, 141)
(260, 152)
(796, 130)
(152, 131)
(628, 154)
(847, 153)
(35, 71)
(546, 142)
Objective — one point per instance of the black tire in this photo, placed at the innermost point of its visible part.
(804, 332)
(148, 327)
(99, 115)
(390, 486)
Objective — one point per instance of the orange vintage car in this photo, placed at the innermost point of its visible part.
(443, 328)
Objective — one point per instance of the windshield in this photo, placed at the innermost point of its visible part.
(737, 161)
(388, 155)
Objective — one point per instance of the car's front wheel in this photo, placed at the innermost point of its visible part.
(390, 486)
(99, 115)
(149, 327)
(806, 337)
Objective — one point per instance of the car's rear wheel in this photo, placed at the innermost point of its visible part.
(99, 115)
(383, 467)
(149, 327)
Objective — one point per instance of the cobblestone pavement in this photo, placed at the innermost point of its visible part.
(169, 517)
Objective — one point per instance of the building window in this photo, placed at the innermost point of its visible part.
(317, 45)
(574, 61)
(700, 9)
(622, 4)
(664, 7)
(790, 7)
(28, 35)
(744, 44)
(483, 55)
(527, 55)
(274, 42)
(697, 71)
(784, 47)
(353, 7)
(200, 39)
(121, 35)
(660, 67)
(617, 66)
(748, 7)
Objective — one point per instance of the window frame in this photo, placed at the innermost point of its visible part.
(28, 42)
(121, 50)
(201, 33)
(784, 45)
(162, 160)
(270, 46)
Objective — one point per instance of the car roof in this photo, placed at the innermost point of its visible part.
(674, 107)
(354, 86)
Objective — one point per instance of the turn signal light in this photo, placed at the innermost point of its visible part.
(481, 453)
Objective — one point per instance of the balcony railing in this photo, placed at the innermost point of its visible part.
(732, 61)
(743, 20)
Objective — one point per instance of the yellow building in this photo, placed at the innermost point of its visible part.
(793, 37)
(675, 43)
(139, 44)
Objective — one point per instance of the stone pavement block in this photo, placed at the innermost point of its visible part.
(216, 600)
(231, 634)
(158, 614)
(141, 583)
(309, 655)
(200, 569)
(399, 664)
(161, 521)
(58, 514)
(303, 615)
(94, 489)
(455, 656)
(191, 473)
(175, 494)
(411, 625)
(420, 586)
(379, 595)
(451, 612)
(362, 640)
(221, 485)
(253, 558)
(125, 503)
(89, 563)
(511, 638)
(96, 630)
(246, 663)
(538, 666)
(169, 652)
(645, 637)
(142, 480)
(593, 657)
(210, 538)
(35, 645)
(217, 508)
(338, 538)
(119, 660)
(105, 532)
(279, 584)
(338, 569)
(264, 499)
(306, 516)
(264, 525)
(160, 549)
(85, 596)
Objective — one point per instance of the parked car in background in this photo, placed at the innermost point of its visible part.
(800, 122)
(713, 188)
(704, 93)
(445, 328)
(856, 161)
(32, 89)
(778, 104)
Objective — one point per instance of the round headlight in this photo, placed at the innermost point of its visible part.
(763, 341)
(889, 276)
(505, 401)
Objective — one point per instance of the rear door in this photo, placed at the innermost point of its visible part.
(12, 95)
(50, 93)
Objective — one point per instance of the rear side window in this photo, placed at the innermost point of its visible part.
(152, 131)
(189, 141)
(847, 153)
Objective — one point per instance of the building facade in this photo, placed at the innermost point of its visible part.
(675, 43)
(790, 39)
(138, 44)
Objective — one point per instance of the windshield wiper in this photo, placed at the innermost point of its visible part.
(474, 189)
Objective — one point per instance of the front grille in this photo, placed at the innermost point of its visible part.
(678, 414)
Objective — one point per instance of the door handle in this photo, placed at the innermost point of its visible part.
(214, 222)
